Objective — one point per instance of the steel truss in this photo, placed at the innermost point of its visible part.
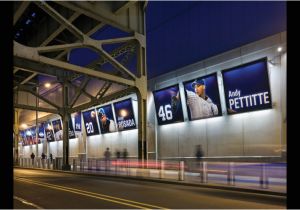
(127, 16)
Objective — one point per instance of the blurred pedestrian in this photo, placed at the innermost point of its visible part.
(107, 155)
(199, 152)
(199, 155)
(51, 157)
(43, 160)
(118, 154)
(32, 156)
(124, 154)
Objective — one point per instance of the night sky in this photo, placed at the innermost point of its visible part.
(181, 33)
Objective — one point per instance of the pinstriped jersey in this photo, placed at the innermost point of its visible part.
(199, 107)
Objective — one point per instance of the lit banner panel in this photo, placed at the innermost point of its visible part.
(202, 97)
(124, 114)
(33, 134)
(22, 138)
(106, 119)
(77, 119)
(71, 130)
(90, 122)
(41, 133)
(49, 132)
(168, 105)
(247, 87)
(57, 127)
(29, 137)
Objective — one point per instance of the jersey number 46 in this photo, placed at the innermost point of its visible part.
(165, 112)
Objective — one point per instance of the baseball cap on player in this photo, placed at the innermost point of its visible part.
(101, 112)
(198, 82)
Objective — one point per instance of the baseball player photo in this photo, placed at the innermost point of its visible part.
(202, 97)
(107, 125)
(168, 105)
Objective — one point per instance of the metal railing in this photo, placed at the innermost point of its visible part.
(265, 176)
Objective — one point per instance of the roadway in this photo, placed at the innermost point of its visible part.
(53, 190)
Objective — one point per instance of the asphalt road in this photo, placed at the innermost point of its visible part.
(51, 190)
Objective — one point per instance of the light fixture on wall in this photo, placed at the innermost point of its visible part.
(24, 126)
(276, 59)
(273, 61)
(47, 85)
(279, 49)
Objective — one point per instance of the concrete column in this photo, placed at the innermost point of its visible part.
(16, 139)
(65, 120)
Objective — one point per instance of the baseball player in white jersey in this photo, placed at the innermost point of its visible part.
(200, 105)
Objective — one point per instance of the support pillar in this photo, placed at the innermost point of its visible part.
(16, 139)
(142, 143)
(65, 119)
(141, 84)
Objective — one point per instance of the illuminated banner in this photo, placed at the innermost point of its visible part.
(202, 97)
(106, 119)
(49, 132)
(57, 127)
(168, 105)
(90, 122)
(71, 130)
(22, 137)
(124, 114)
(33, 134)
(77, 119)
(29, 137)
(247, 87)
(41, 131)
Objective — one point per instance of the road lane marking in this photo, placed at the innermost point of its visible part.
(27, 202)
(94, 195)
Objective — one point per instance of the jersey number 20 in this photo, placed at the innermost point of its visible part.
(89, 127)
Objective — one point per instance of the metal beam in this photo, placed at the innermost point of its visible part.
(35, 67)
(117, 40)
(60, 29)
(15, 70)
(26, 89)
(96, 28)
(83, 91)
(116, 64)
(97, 12)
(103, 90)
(20, 11)
(125, 6)
(59, 18)
(26, 80)
(78, 91)
(59, 47)
(34, 108)
(28, 53)
(105, 99)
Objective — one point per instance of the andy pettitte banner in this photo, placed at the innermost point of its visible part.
(124, 114)
(247, 87)
(168, 105)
